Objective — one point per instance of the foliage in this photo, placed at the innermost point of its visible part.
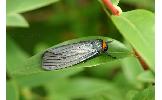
(36, 25)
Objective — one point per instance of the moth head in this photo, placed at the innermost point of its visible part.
(104, 46)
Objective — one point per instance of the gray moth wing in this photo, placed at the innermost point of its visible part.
(70, 54)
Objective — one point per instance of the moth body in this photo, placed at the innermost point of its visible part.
(68, 55)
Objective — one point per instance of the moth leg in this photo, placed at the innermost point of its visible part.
(111, 56)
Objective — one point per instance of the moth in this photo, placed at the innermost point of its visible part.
(71, 54)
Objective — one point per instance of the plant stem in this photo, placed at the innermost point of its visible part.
(111, 7)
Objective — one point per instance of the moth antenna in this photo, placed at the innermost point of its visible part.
(109, 41)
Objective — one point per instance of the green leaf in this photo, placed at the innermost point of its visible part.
(147, 76)
(15, 55)
(130, 94)
(146, 94)
(132, 68)
(45, 77)
(104, 70)
(84, 88)
(141, 3)
(19, 6)
(116, 49)
(115, 2)
(40, 46)
(12, 91)
(137, 27)
(16, 20)
(122, 83)
(56, 96)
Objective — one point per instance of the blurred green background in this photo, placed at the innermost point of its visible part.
(65, 20)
